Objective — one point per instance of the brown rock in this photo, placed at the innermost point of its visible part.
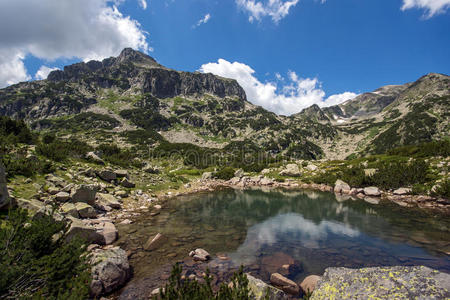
(284, 284)
(155, 242)
(309, 283)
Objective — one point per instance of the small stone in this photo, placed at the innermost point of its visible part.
(200, 255)
(85, 210)
(309, 283)
(155, 242)
(62, 196)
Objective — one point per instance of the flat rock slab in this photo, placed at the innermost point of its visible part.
(383, 283)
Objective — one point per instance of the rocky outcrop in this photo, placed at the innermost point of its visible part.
(383, 283)
(291, 170)
(110, 270)
(4, 196)
(341, 187)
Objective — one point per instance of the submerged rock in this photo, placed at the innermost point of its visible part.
(155, 242)
(383, 283)
(285, 284)
(309, 283)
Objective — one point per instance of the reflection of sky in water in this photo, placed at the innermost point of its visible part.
(290, 226)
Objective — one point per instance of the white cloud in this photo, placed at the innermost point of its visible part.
(294, 95)
(204, 20)
(432, 7)
(12, 68)
(43, 72)
(275, 9)
(143, 4)
(52, 29)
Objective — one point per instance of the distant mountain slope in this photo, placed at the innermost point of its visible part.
(131, 99)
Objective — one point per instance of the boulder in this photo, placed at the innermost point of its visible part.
(155, 242)
(69, 209)
(53, 190)
(235, 180)
(200, 255)
(32, 205)
(80, 229)
(341, 187)
(95, 158)
(207, 176)
(107, 175)
(402, 191)
(85, 210)
(128, 184)
(262, 290)
(108, 231)
(62, 196)
(108, 200)
(110, 270)
(151, 169)
(122, 173)
(285, 284)
(266, 181)
(370, 172)
(291, 170)
(311, 167)
(372, 191)
(4, 196)
(84, 193)
(397, 282)
(309, 283)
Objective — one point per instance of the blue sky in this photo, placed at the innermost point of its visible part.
(288, 54)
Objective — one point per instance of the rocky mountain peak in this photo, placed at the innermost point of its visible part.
(131, 55)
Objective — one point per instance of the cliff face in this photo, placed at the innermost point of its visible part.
(79, 86)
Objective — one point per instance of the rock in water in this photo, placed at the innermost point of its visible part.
(200, 255)
(383, 283)
(110, 270)
(285, 284)
(262, 290)
(4, 197)
(154, 242)
(309, 283)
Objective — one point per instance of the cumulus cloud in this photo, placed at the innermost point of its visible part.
(291, 97)
(203, 20)
(275, 9)
(43, 72)
(143, 4)
(52, 29)
(432, 7)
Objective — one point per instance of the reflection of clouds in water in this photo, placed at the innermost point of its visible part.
(295, 226)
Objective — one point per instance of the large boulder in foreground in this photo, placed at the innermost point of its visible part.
(383, 283)
(4, 197)
(110, 270)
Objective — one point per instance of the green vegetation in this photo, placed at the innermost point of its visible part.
(79, 122)
(37, 263)
(147, 119)
(117, 156)
(60, 149)
(186, 289)
(225, 173)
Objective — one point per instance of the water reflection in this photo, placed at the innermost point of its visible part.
(265, 228)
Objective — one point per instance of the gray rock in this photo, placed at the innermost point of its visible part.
(85, 193)
(311, 167)
(4, 196)
(207, 176)
(262, 290)
(70, 209)
(95, 158)
(32, 205)
(291, 170)
(110, 270)
(109, 200)
(62, 196)
(235, 180)
(85, 210)
(127, 183)
(341, 187)
(107, 175)
(372, 191)
(402, 191)
(200, 255)
(370, 172)
(82, 230)
(108, 231)
(151, 169)
(383, 283)
(122, 173)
